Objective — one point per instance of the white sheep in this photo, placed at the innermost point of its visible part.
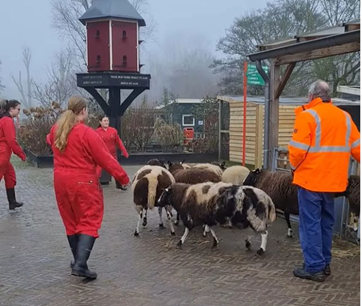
(235, 175)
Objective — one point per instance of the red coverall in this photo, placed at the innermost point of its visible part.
(112, 141)
(77, 189)
(8, 144)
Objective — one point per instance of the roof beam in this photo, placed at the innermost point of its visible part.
(284, 80)
(319, 53)
(308, 46)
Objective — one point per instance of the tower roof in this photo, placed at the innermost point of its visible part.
(106, 9)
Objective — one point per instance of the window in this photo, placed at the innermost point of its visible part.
(188, 120)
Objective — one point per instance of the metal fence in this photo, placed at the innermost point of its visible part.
(344, 226)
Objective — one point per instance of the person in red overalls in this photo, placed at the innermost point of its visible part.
(78, 150)
(8, 144)
(112, 141)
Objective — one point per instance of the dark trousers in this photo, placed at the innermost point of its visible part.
(316, 220)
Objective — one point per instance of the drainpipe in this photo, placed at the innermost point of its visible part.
(266, 113)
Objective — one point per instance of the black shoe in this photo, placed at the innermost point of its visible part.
(73, 241)
(12, 199)
(84, 248)
(317, 276)
(327, 269)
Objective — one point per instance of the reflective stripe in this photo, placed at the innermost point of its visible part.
(298, 145)
(355, 143)
(348, 134)
(318, 130)
(318, 135)
(329, 149)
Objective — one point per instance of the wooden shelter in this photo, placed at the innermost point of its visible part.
(341, 39)
(231, 125)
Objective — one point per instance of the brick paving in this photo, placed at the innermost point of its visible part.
(150, 270)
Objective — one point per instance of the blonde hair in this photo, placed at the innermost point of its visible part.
(67, 121)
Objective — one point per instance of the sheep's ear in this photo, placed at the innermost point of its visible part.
(182, 161)
(257, 170)
(223, 165)
(168, 190)
(169, 163)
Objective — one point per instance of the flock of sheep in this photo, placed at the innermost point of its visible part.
(209, 194)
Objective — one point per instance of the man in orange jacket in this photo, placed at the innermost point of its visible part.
(324, 138)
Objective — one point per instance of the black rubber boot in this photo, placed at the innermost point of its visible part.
(12, 199)
(73, 241)
(84, 249)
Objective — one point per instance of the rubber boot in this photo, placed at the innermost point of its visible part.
(12, 199)
(84, 249)
(73, 241)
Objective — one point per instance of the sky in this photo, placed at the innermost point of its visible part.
(26, 23)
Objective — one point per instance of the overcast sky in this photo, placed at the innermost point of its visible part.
(29, 23)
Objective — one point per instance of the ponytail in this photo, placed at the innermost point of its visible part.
(65, 124)
(67, 121)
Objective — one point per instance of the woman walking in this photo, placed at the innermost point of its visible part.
(78, 150)
(8, 144)
(112, 141)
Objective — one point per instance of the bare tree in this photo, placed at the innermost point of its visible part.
(60, 84)
(183, 66)
(1, 85)
(280, 20)
(25, 93)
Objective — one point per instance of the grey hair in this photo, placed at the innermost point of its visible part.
(320, 89)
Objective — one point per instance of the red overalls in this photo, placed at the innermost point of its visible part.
(77, 190)
(8, 144)
(112, 141)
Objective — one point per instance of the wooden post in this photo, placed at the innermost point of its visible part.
(273, 121)
(244, 119)
(259, 136)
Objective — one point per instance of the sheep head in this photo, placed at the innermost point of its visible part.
(252, 177)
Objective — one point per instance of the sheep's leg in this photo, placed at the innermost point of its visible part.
(177, 219)
(206, 230)
(140, 212)
(161, 222)
(248, 243)
(183, 238)
(287, 219)
(216, 241)
(169, 216)
(145, 218)
(264, 239)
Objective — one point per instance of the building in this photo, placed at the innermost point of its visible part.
(231, 125)
(181, 111)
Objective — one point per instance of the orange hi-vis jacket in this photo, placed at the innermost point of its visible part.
(319, 153)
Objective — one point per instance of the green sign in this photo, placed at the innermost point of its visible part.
(254, 77)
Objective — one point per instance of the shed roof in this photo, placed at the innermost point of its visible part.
(107, 9)
(320, 33)
(284, 100)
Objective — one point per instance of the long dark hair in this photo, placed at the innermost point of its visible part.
(100, 118)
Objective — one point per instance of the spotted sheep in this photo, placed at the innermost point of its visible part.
(147, 186)
(220, 204)
(192, 176)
